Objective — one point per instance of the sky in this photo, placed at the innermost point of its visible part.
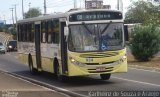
(52, 6)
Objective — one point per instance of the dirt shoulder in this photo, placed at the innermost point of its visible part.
(154, 64)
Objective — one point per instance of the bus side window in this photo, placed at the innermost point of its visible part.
(29, 27)
(25, 32)
(49, 31)
(32, 32)
(19, 32)
(43, 32)
(55, 38)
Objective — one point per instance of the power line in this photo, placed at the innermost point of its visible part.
(60, 2)
(68, 4)
(49, 2)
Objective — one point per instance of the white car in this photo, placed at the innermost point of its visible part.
(2, 48)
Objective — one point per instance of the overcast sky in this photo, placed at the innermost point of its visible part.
(52, 6)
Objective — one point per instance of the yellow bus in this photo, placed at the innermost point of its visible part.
(75, 43)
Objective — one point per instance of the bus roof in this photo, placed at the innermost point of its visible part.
(62, 15)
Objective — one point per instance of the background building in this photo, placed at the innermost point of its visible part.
(93, 4)
(106, 6)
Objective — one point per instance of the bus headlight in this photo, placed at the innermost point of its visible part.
(76, 62)
(10, 46)
(122, 59)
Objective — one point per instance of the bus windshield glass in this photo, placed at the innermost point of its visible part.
(95, 37)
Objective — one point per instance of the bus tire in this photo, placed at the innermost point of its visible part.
(55, 67)
(58, 75)
(105, 76)
(32, 70)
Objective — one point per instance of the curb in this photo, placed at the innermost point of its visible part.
(65, 92)
(145, 68)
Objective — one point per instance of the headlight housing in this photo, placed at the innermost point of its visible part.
(120, 60)
(73, 61)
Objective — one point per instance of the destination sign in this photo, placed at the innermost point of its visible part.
(98, 15)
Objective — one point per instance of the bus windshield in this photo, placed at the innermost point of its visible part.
(95, 37)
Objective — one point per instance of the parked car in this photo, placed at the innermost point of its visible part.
(2, 48)
(12, 45)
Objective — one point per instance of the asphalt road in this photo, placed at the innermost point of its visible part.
(134, 80)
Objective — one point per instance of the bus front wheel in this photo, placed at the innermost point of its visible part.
(105, 76)
(30, 63)
(60, 77)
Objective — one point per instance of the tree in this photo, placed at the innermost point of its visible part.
(145, 42)
(143, 12)
(33, 12)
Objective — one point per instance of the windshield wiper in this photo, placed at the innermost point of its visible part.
(101, 44)
(106, 27)
(85, 26)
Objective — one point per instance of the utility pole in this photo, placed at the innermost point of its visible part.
(121, 2)
(75, 4)
(22, 10)
(12, 16)
(29, 5)
(15, 8)
(81, 1)
(45, 8)
(117, 4)
(29, 8)
(120, 5)
(85, 4)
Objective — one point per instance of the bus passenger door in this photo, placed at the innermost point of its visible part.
(64, 56)
(37, 45)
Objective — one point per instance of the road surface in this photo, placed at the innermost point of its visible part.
(134, 80)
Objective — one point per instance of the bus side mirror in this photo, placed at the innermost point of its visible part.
(66, 32)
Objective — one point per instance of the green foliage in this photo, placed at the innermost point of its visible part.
(33, 12)
(145, 42)
(13, 32)
(1, 29)
(143, 12)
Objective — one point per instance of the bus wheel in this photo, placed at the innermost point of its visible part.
(30, 63)
(105, 76)
(60, 77)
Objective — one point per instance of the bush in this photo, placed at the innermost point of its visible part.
(145, 42)
(13, 32)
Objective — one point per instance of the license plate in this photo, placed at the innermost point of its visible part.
(100, 69)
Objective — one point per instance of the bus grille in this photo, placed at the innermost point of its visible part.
(99, 55)
(109, 69)
(99, 63)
